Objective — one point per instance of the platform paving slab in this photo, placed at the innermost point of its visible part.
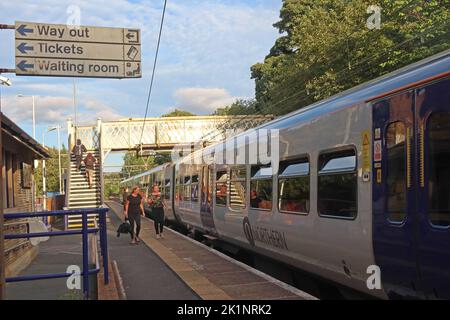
(54, 256)
(144, 275)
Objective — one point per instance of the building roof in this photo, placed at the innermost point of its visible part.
(12, 128)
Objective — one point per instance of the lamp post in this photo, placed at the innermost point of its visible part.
(6, 82)
(58, 128)
(35, 162)
(44, 189)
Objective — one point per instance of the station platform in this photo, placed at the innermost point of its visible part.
(54, 256)
(207, 273)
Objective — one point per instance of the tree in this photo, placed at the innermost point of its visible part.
(52, 170)
(239, 107)
(112, 184)
(135, 164)
(326, 47)
(178, 113)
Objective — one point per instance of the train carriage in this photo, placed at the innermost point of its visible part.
(361, 183)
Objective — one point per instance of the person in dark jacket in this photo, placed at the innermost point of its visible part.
(89, 163)
(134, 208)
(157, 206)
(78, 150)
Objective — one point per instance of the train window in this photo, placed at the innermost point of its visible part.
(186, 188)
(293, 186)
(396, 171)
(167, 189)
(438, 168)
(261, 187)
(194, 188)
(238, 178)
(337, 184)
(221, 188)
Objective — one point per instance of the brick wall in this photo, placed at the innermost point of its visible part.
(17, 248)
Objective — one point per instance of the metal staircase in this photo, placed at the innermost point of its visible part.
(78, 193)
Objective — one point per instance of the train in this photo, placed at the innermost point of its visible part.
(356, 189)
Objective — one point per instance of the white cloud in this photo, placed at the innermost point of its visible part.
(205, 44)
(97, 109)
(202, 100)
(56, 110)
(49, 110)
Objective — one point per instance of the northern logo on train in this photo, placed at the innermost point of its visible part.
(248, 231)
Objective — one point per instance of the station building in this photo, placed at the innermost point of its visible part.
(18, 152)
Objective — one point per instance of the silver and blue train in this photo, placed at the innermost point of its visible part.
(361, 189)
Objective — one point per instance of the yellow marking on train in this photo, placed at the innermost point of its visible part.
(378, 175)
(422, 154)
(366, 160)
(408, 157)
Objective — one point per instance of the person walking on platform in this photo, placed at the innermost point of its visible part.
(157, 206)
(134, 208)
(89, 163)
(78, 150)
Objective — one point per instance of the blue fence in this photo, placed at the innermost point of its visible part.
(84, 231)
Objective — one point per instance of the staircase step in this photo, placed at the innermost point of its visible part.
(83, 206)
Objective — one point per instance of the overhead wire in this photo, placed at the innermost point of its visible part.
(153, 70)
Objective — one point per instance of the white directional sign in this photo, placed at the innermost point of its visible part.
(61, 50)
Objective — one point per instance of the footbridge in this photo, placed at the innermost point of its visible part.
(161, 133)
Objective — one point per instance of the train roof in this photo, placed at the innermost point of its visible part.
(413, 73)
(428, 68)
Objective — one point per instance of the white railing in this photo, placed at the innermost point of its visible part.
(126, 134)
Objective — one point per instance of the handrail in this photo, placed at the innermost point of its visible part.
(69, 168)
(100, 150)
(85, 231)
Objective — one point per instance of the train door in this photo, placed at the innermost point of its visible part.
(433, 154)
(394, 195)
(206, 194)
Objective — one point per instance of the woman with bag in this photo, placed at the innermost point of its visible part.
(157, 205)
(134, 208)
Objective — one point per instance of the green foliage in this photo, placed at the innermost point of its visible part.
(52, 170)
(135, 164)
(239, 107)
(326, 47)
(111, 184)
(178, 113)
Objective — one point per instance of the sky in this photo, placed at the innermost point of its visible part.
(207, 49)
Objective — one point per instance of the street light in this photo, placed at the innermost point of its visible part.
(34, 114)
(44, 189)
(5, 81)
(58, 128)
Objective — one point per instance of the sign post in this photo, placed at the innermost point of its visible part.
(60, 50)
